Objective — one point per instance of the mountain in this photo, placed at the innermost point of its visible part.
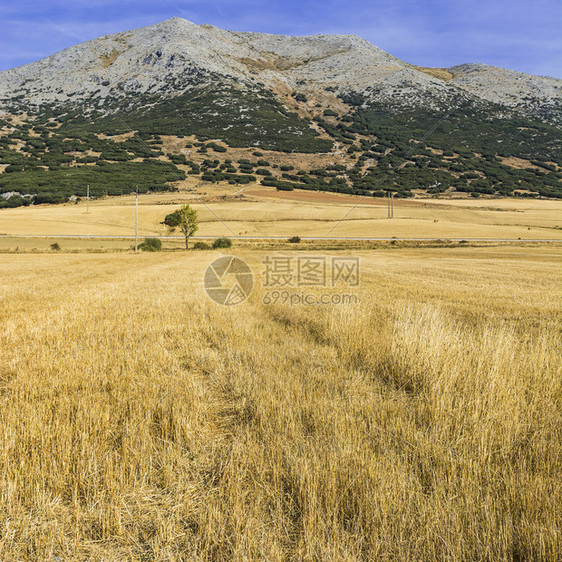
(315, 94)
(172, 57)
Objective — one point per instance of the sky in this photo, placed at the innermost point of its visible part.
(522, 35)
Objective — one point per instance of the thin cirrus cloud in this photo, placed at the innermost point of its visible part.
(513, 34)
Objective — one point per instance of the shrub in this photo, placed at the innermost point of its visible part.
(201, 246)
(55, 247)
(222, 242)
(172, 220)
(294, 239)
(14, 201)
(48, 198)
(178, 158)
(151, 245)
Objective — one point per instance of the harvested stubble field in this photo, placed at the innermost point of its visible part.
(140, 421)
(267, 212)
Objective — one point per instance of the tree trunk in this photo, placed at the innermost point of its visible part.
(187, 242)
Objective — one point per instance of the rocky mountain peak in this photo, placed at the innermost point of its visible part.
(160, 56)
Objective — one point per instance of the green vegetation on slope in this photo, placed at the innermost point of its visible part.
(210, 110)
(57, 186)
(463, 149)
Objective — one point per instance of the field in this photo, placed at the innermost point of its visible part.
(260, 211)
(142, 421)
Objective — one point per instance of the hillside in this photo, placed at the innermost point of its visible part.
(149, 106)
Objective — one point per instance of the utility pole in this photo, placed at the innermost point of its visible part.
(88, 200)
(137, 220)
(390, 204)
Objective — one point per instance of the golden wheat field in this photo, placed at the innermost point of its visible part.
(267, 212)
(142, 421)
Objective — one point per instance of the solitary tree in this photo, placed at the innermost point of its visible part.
(185, 219)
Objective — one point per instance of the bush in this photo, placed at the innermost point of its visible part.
(55, 247)
(14, 201)
(151, 245)
(48, 198)
(201, 246)
(294, 239)
(282, 186)
(223, 242)
(172, 220)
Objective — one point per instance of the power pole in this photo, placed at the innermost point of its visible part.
(388, 204)
(137, 220)
(88, 199)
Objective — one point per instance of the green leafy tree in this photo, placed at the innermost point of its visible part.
(186, 220)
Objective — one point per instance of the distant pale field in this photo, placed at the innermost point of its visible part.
(267, 213)
(141, 421)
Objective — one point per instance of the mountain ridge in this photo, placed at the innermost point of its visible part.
(343, 61)
(385, 124)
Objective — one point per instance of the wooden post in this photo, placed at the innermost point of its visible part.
(137, 220)
(388, 204)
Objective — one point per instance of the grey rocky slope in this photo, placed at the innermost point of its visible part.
(172, 56)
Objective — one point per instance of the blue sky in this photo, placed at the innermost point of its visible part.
(518, 34)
